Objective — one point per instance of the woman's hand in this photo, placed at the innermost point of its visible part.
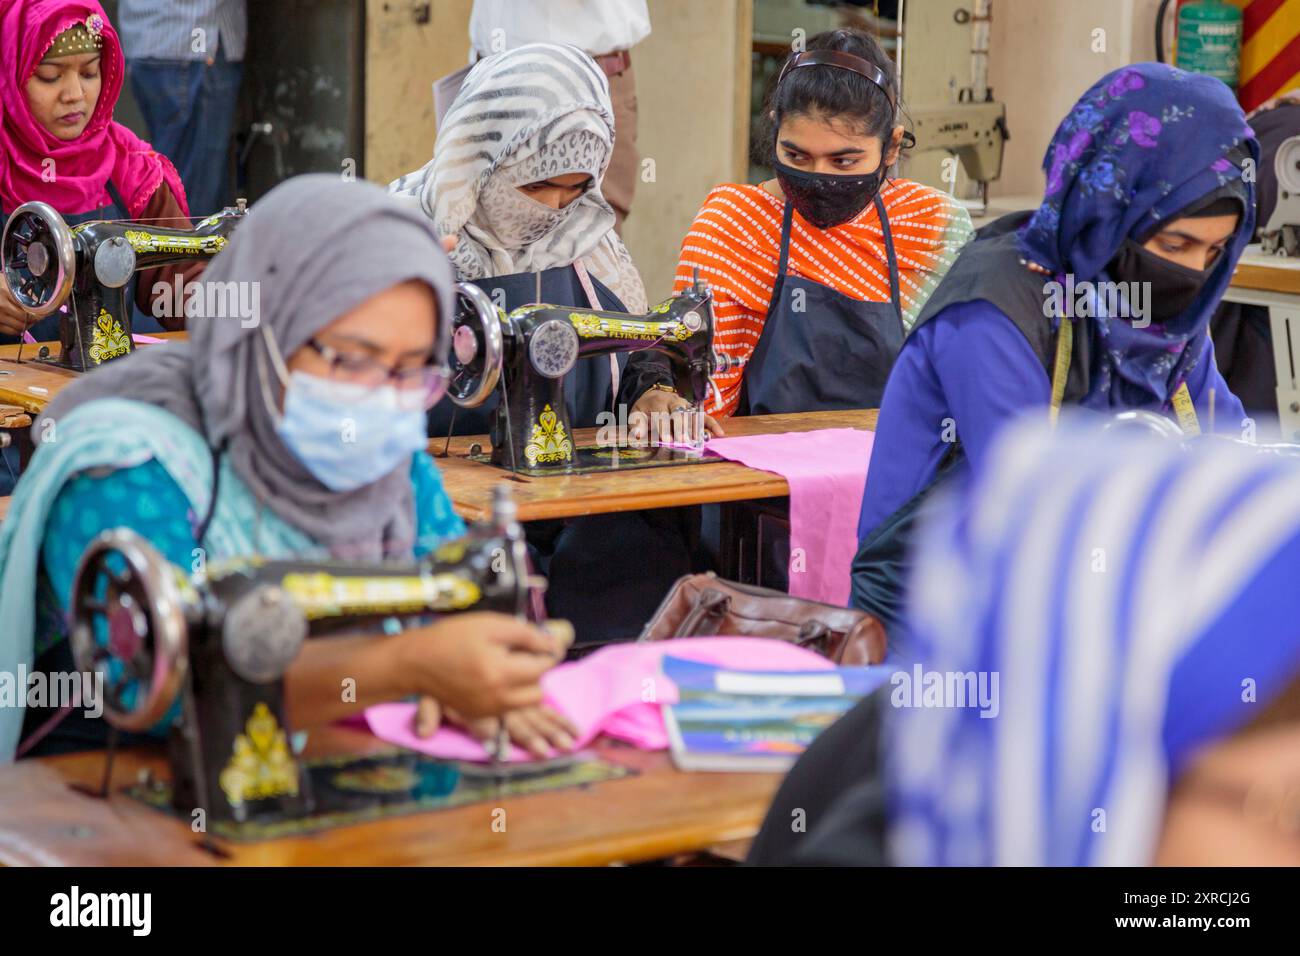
(660, 416)
(14, 319)
(478, 664)
(539, 730)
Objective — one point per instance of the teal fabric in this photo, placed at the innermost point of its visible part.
(116, 463)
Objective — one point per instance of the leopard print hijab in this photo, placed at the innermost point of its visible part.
(525, 115)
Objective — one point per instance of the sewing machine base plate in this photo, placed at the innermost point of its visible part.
(590, 459)
(354, 789)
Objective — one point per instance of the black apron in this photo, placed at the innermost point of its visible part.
(47, 329)
(820, 349)
(587, 389)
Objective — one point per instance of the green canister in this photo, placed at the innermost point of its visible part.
(1209, 39)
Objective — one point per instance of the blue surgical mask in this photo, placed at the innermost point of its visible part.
(349, 435)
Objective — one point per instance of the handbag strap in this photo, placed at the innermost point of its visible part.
(813, 632)
(710, 604)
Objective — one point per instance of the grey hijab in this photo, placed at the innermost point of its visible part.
(318, 247)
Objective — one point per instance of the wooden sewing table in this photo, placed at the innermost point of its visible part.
(470, 483)
(656, 813)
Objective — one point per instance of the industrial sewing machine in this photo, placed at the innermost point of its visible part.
(528, 353)
(48, 265)
(1273, 266)
(975, 133)
(951, 105)
(1281, 234)
(220, 643)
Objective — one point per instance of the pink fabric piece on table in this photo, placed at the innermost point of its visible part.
(826, 471)
(605, 693)
(145, 339)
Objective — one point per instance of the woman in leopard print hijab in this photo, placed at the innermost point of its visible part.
(526, 116)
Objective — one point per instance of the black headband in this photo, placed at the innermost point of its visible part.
(843, 61)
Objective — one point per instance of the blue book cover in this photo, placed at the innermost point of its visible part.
(727, 719)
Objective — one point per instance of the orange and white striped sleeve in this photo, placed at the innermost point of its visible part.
(730, 244)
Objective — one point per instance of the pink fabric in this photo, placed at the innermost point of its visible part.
(827, 471)
(617, 691)
(145, 339)
(104, 150)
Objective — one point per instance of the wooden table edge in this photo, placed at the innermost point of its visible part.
(755, 484)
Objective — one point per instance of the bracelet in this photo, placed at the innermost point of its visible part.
(664, 388)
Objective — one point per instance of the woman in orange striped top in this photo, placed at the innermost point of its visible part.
(815, 321)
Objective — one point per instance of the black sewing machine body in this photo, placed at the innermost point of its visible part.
(221, 642)
(89, 267)
(532, 349)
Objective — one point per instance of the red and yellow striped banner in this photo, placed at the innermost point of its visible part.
(1270, 52)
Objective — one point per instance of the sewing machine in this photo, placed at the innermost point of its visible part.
(1281, 234)
(48, 265)
(527, 354)
(975, 133)
(221, 641)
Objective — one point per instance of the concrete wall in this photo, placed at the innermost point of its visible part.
(692, 77)
(1043, 55)
(403, 58)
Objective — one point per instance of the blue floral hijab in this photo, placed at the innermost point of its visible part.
(1145, 143)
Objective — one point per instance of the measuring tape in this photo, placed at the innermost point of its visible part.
(1182, 399)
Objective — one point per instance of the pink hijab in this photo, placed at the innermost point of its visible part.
(104, 151)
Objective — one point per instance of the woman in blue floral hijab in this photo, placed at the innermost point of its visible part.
(1149, 203)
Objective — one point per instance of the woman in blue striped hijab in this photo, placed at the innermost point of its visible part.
(1137, 603)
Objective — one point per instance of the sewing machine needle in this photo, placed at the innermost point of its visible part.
(500, 751)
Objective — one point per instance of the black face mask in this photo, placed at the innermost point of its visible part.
(1173, 287)
(825, 199)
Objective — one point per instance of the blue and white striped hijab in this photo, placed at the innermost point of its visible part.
(1137, 600)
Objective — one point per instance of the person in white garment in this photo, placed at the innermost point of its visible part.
(606, 30)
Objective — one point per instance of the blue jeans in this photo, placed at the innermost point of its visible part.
(189, 107)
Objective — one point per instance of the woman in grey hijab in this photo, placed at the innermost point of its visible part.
(294, 431)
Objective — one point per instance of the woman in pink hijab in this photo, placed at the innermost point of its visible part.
(61, 72)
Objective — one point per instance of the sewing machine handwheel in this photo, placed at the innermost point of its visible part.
(477, 347)
(1143, 422)
(1286, 163)
(38, 256)
(128, 624)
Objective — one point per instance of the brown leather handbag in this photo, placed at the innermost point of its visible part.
(704, 605)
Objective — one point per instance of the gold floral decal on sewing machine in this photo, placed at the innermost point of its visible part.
(108, 340)
(260, 766)
(548, 442)
(324, 595)
(143, 242)
(590, 326)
